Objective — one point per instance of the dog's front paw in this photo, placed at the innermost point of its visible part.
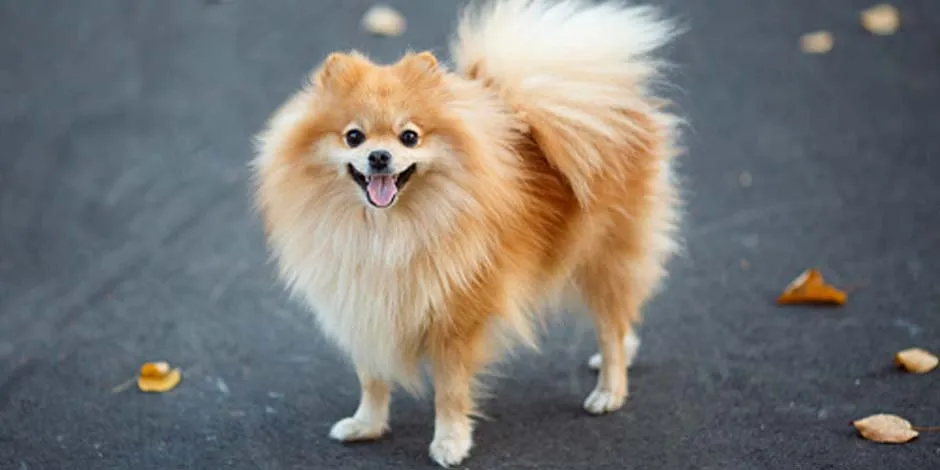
(602, 401)
(450, 449)
(356, 429)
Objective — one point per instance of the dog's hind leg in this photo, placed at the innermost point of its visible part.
(614, 293)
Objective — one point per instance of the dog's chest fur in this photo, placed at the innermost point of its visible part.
(372, 290)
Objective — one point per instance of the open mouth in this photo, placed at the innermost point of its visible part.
(381, 188)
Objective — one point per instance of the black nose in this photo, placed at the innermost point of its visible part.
(378, 160)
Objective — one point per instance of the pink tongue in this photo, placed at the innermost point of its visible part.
(382, 190)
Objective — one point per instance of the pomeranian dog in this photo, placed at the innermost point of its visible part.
(431, 215)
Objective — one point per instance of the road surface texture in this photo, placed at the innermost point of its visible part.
(127, 235)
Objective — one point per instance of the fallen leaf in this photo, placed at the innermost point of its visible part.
(384, 21)
(158, 377)
(819, 42)
(916, 360)
(882, 19)
(885, 428)
(155, 369)
(810, 288)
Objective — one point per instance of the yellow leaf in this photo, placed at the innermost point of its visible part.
(158, 377)
(885, 428)
(154, 369)
(916, 360)
(810, 288)
(819, 42)
(384, 21)
(882, 19)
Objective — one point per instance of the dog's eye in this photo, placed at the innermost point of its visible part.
(354, 138)
(409, 138)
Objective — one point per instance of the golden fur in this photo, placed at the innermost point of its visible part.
(542, 178)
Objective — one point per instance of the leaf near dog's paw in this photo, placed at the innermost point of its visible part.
(885, 428)
(384, 21)
(810, 288)
(157, 377)
(916, 360)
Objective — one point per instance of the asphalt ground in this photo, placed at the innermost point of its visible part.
(127, 235)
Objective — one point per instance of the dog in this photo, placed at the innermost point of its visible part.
(429, 215)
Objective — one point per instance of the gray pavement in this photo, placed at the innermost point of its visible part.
(127, 235)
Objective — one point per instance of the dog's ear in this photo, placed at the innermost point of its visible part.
(424, 61)
(421, 64)
(339, 69)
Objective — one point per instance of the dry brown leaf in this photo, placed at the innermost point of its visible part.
(916, 360)
(882, 19)
(155, 369)
(158, 377)
(889, 429)
(819, 42)
(384, 21)
(810, 288)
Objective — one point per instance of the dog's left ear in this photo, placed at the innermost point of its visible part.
(421, 63)
(339, 69)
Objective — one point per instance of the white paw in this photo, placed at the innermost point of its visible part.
(354, 429)
(604, 401)
(631, 343)
(450, 450)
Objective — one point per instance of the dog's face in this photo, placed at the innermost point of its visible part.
(380, 128)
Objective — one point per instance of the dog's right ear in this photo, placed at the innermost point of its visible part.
(339, 68)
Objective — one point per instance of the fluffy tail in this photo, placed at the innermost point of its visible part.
(578, 74)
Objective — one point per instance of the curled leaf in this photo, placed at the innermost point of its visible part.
(155, 369)
(158, 377)
(885, 428)
(882, 19)
(810, 288)
(916, 360)
(384, 21)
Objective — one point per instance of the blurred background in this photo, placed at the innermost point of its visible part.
(127, 235)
